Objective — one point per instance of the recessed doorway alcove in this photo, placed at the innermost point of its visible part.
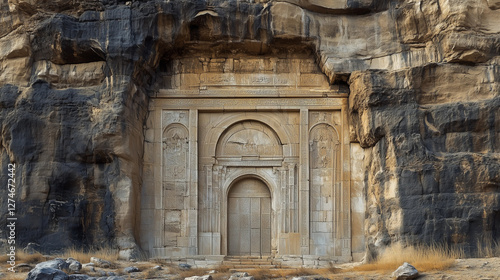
(250, 155)
(249, 218)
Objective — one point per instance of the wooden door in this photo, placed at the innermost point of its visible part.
(249, 219)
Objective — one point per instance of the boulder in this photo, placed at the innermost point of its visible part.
(73, 265)
(131, 269)
(57, 263)
(184, 266)
(405, 272)
(80, 277)
(204, 277)
(100, 262)
(310, 277)
(46, 273)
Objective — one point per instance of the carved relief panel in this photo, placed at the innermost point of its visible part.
(324, 163)
(175, 146)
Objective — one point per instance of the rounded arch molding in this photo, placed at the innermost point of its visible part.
(249, 138)
(240, 174)
(226, 122)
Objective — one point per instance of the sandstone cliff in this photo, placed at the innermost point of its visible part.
(424, 104)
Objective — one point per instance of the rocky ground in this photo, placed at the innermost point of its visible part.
(477, 268)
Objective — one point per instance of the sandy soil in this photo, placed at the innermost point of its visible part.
(481, 269)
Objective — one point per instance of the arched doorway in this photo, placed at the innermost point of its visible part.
(249, 218)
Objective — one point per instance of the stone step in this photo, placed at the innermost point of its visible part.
(251, 262)
(275, 272)
(248, 257)
(246, 262)
(267, 266)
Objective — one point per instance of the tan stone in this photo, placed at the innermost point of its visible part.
(239, 140)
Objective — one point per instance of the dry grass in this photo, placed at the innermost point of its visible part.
(423, 258)
(142, 266)
(22, 257)
(261, 274)
(288, 273)
(178, 273)
(488, 248)
(151, 273)
(107, 254)
(193, 272)
(15, 276)
(222, 268)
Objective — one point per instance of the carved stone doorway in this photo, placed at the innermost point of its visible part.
(249, 218)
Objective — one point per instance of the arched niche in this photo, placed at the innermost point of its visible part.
(215, 133)
(249, 139)
(175, 152)
(324, 194)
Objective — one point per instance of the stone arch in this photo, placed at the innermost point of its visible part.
(326, 124)
(225, 122)
(249, 138)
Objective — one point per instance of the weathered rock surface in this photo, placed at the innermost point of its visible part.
(424, 96)
(238, 275)
(49, 270)
(131, 269)
(204, 277)
(431, 133)
(405, 272)
(99, 262)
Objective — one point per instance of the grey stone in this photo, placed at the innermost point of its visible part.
(204, 277)
(184, 266)
(46, 272)
(405, 272)
(73, 265)
(310, 277)
(238, 275)
(131, 269)
(57, 263)
(100, 262)
(80, 277)
(115, 278)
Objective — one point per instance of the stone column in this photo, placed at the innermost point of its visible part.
(192, 195)
(216, 210)
(304, 182)
(292, 202)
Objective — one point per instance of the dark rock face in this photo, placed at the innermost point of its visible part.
(433, 165)
(75, 79)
